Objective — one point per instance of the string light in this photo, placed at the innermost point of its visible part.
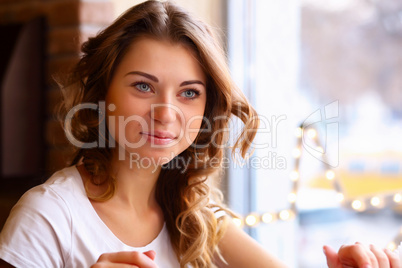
(251, 220)
(330, 175)
(296, 153)
(397, 198)
(376, 201)
(286, 214)
(312, 133)
(391, 246)
(340, 197)
(298, 132)
(394, 244)
(292, 197)
(294, 175)
(267, 217)
(238, 222)
(358, 205)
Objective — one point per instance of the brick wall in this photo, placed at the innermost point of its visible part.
(69, 23)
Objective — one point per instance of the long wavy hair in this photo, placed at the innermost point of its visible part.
(184, 197)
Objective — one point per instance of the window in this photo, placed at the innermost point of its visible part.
(333, 68)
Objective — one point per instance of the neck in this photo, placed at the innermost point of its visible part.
(135, 186)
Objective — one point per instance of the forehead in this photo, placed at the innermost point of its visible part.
(154, 55)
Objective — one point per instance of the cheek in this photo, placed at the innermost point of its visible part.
(194, 119)
(113, 126)
(193, 127)
(125, 129)
(131, 130)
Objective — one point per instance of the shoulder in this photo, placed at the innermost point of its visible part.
(65, 182)
(50, 199)
(57, 190)
(40, 224)
(51, 195)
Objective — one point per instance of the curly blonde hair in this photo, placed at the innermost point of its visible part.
(184, 197)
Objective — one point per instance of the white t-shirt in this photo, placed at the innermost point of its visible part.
(54, 225)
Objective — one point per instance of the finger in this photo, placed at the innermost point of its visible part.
(151, 254)
(128, 257)
(393, 259)
(332, 257)
(356, 255)
(113, 265)
(381, 257)
(370, 256)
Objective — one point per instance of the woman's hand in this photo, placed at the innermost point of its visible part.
(132, 259)
(361, 256)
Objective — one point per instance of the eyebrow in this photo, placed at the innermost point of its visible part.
(149, 76)
(155, 79)
(186, 83)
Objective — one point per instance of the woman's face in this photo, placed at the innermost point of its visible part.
(156, 101)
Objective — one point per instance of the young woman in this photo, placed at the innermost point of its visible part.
(147, 107)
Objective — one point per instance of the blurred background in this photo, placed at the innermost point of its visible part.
(325, 77)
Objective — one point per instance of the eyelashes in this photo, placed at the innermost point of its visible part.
(194, 93)
(144, 87)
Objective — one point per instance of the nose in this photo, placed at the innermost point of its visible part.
(164, 113)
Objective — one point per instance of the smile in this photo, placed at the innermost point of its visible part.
(159, 138)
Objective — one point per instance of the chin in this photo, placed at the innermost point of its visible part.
(153, 158)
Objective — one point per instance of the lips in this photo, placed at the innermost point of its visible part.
(160, 134)
(159, 137)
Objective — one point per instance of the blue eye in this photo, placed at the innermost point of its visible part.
(143, 87)
(190, 94)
